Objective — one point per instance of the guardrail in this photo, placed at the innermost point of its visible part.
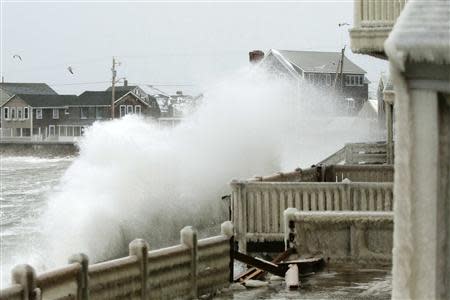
(342, 237)
(333, 173)
(373, 21)
(193, 268)
(257, 207)
(358, 153)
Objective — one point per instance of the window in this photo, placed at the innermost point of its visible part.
(123, 110)
(129, 109)
(19, 113)
(13, 113)
(38, 113)
(354, 80)
(328, 76)
(55, 113)
(6, 113)
(84, 112)
(99, 113)
(26, 113)
(66, 111)
(137, 109)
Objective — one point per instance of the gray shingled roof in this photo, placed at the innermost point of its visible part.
(98, 97)
(322, 62)
(421, 34)
(48, 100)
(122, 88)
(14, 88)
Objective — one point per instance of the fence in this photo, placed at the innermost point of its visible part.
(373, 20)
(333, 173)
(257, 207)
(341, 237)
(193, 268)
(358, 153)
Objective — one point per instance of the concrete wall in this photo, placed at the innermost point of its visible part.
(363, 238)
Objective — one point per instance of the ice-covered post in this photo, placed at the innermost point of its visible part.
(82, 278)
(189, 238)
(289, 227)
(25, 276)
(139, 248)
(226, 229)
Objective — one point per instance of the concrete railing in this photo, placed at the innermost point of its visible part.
(257, 207)
(341, 237)
(193, 268)
(358, 153)
(333, 173)
(373, 21)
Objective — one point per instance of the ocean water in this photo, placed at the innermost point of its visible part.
(25, 183)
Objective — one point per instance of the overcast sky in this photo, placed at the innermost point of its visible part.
(162, 43)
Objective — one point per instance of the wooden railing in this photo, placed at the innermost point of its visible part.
(373, 20)
(257, 207)
(186, 271)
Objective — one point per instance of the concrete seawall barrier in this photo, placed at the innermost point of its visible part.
(347, 237)
(41, 149)
(185, 271)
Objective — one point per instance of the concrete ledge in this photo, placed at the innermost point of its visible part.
(363, 238)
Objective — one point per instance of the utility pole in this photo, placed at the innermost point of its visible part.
(342, 69)
(113, 84)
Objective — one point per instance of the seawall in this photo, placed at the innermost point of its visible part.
(41, 149)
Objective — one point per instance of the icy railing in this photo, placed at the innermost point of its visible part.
(358, 153)
(373, 20)
(257, 207)
(193, 268)
(342, 237)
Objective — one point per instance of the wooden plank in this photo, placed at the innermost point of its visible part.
(253, 272)
(259, 263)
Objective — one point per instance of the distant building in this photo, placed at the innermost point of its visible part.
(320, 69)
(66, 116)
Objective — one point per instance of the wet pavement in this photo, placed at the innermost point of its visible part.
(327, 284)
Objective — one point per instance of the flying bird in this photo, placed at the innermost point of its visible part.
(343, 24)
(17, 56)
(70, 69)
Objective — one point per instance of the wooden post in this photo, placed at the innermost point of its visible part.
(189, 238)
(139, 248)
(25, 276)
(82, 278)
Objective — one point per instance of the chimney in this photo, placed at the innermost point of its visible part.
(125, 82)
(255, 56)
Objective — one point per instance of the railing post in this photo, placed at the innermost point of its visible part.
(26, 277)
(289, 227)
(139, 248)
(189, 239)
(82, 278)
(226, 229)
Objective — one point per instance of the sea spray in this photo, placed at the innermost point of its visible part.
(135, 179)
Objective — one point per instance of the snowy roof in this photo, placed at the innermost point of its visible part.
(319, 62)
(421, 33)
(369, 110)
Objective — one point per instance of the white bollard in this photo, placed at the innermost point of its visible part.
(291, 277)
